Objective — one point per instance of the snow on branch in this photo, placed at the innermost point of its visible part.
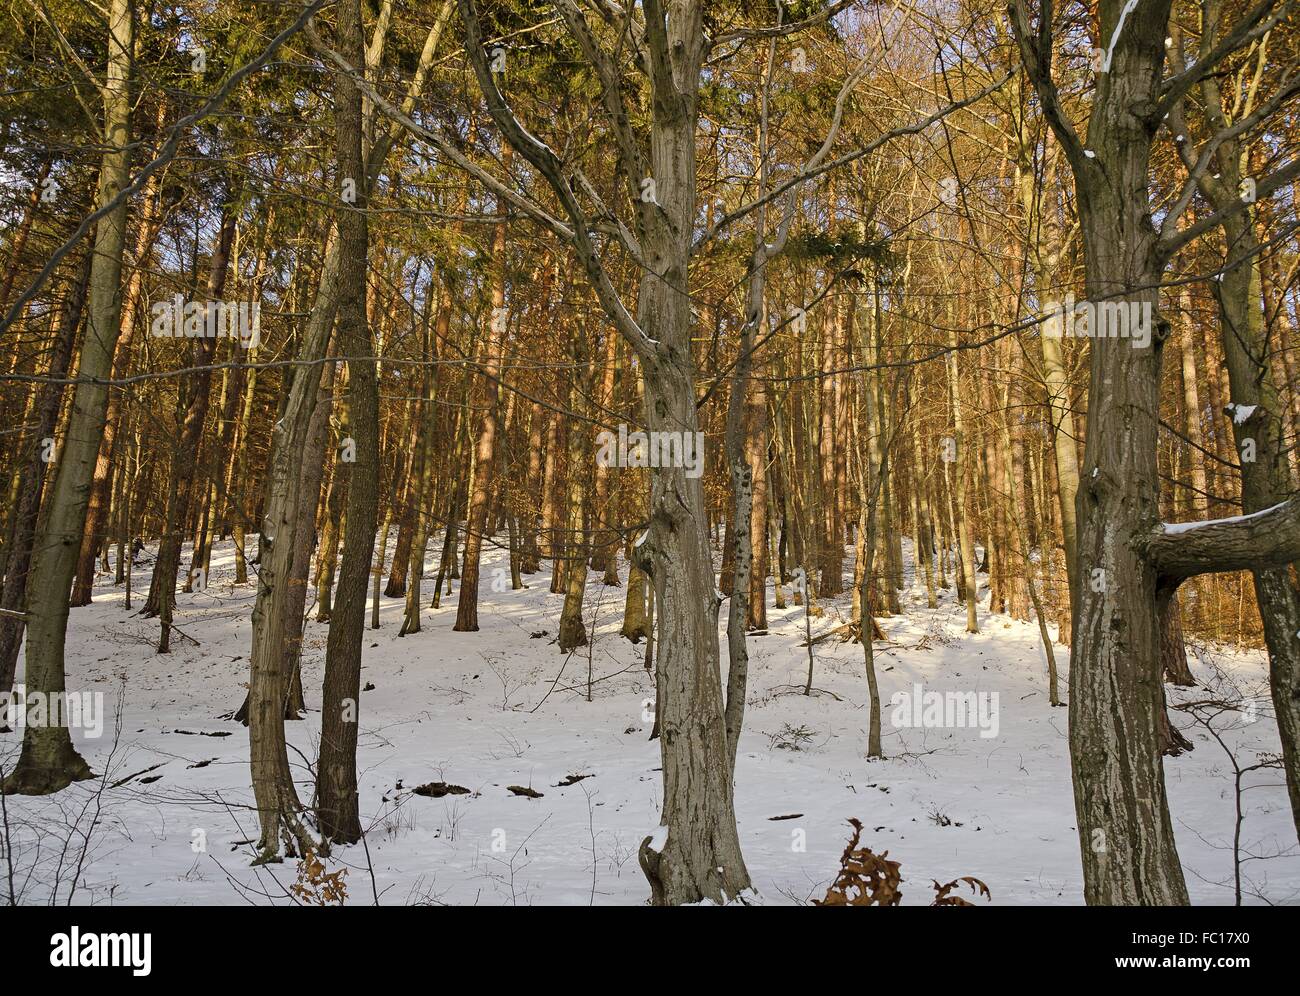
(1266, 539)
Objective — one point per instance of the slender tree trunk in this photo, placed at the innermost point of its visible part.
(180, 481)
(31, 481)
(97, 511)
(48, 761)
(960, 463)
(573, 632)
(337, 803)
(485, 452)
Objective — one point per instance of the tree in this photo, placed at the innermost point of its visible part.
(337, 786)
(1116, 690)
(48, 761)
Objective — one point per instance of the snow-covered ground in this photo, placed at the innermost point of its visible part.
(502, 707)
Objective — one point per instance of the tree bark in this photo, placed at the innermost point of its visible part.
(48, 761)
(485, 452)
(337, 803)
(1116, 688)
(31, 482)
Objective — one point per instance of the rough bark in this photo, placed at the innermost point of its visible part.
(1116, 688)
(337, 803)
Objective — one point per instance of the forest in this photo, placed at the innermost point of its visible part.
(610, 452)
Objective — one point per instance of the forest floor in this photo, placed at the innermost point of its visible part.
(502, 707)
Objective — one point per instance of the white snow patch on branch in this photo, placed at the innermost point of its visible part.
(658, 839)
(1119, 26)
(1241, 412)
(1186, 527)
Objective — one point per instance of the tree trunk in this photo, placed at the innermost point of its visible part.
(480, 493)
(960, 462)
(1116, 691)
(573, 631)
(31, 482)
(180, 481)
(97, 511)
(337, 803)
(48, 761)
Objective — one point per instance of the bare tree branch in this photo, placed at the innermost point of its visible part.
(1253, 24)
(782, 30)
(166, 155)
(1197, 170)
(1170, 245)
(1036, 54)
(816, 168)
(544, 159)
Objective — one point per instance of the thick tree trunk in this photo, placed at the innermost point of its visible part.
(1116, 687)
(636, 621)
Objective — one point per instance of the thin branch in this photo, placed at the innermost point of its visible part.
(169, 150)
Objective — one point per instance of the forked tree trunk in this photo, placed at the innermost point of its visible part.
(270, 674)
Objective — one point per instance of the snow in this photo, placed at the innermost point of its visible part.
(659, 840)
(1240, 413)
(1182, 527)
(477, 710)
(1119, 26)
